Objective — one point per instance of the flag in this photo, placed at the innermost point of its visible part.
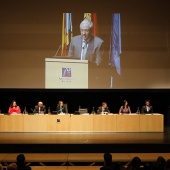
(92, 17)
(115, 45)
(67, 33)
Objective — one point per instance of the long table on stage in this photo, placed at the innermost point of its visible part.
(82, 123)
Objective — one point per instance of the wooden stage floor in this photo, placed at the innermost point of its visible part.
(86, 142)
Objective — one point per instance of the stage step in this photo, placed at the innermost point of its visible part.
(33, 157)
(83, 167)
(49, 167)
(64, 167)
(81, 157)
(97, 157)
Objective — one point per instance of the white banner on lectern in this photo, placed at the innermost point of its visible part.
(66, 73)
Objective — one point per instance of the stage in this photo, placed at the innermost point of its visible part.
(86, 142)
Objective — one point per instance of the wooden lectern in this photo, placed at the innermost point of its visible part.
(66, 73)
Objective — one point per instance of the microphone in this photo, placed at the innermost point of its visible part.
(32, 110)
(82, 45)
(57, 51)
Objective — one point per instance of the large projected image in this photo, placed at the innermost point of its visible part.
(119, 45)
(87, 46)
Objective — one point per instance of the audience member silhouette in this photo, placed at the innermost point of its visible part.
(21, 163)
(161, 163)
(108, 165)
(134, 164)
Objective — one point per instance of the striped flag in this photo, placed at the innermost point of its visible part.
(115, 45)
(67, 33)
(92, 17)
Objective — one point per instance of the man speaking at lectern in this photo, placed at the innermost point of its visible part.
(89, 47)
(86, 46)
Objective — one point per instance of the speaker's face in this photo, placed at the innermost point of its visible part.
(85, 31)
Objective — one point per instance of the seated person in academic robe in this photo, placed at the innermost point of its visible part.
(147, 108)
(40, 108)
(61, 108)
(103, 108)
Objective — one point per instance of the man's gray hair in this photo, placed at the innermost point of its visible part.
(87, 22)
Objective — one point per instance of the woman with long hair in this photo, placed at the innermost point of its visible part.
(124, 109)
(14, 108)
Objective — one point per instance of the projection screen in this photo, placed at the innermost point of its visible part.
(34, 49)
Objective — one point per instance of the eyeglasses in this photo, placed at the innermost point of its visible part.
(86, 31)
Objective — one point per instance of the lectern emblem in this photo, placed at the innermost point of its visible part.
(66, 72)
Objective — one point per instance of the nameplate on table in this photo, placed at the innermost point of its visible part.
(62, 114)
(16, 114)
(39, 114)
(85, 114)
